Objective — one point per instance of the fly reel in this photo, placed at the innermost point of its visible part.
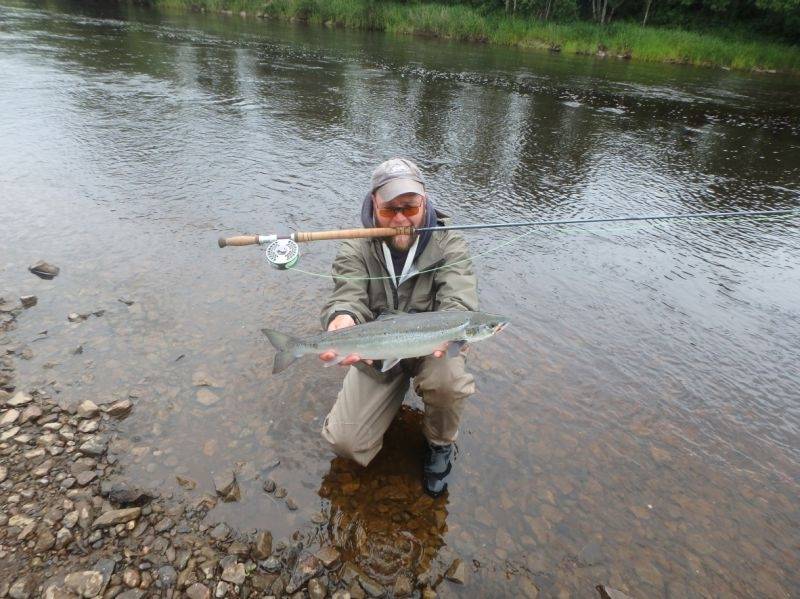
(283, 253)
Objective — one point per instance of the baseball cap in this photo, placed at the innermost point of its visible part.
(396, 177)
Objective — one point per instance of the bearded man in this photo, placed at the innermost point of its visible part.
(424, 272)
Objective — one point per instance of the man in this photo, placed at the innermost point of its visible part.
(420, 273)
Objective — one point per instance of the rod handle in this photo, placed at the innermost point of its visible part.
(238, 240)
(300, 237)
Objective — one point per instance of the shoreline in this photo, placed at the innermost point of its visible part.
(620, 41)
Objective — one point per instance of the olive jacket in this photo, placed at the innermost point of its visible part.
(363, 287)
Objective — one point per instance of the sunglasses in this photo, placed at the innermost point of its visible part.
(390, 212)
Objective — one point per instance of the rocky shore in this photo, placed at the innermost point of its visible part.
(72, 527)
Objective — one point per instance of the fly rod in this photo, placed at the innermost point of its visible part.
(283, 252)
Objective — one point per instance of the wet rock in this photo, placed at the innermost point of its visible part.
(63, 538)
(316, 590)
(609, 593)
(163, 525)
(131, 594)
(206, 397)
(94, 446)
(220, 532)
(202, 379)
(106, 568)
(131, 577)
(87, 409)
(198, 591)
(120, 409)
(402, 586)
(457, 572)
(428, 593)
(28, 301)
(186, 483)
(114, 517)
(221, 590)
(307, 567)
(168, 576)
(269, 485)
(371, 587)
(341, 594)
(45, 541)
(291, 504)
(22, 588)
(329, 556)
(85, 477)
(88, 583)
(44, 270)
(88, 426)
(590, 554)
(280, 493)
(75, 317)
(32, 412)
(3, 473)
(272, 565)
(262, 547)
(234, 573)
(9, 417)
(123, 495)
(9, 434)
(19, 399)
(227, 487)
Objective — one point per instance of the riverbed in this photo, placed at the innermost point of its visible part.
(637, 425)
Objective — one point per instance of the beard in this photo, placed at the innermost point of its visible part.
(402, 243)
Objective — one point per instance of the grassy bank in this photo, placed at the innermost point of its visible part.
(718, 48)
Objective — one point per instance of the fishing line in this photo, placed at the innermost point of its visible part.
(561, 225)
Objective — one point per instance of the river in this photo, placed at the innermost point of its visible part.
(638, 423)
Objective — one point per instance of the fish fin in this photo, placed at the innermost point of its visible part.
(285, 345)
(388, 363)
(454, 348)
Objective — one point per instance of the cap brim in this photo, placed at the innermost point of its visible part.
(398, 187)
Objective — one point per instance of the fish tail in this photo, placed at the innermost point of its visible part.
(286, 346)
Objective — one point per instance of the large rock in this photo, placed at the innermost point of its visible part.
(32, 412)
(88, 583)
(22, 588)
(44, 270)
(123, 495)
(114, 517)
(308, 567)
(262, 547)
(227, 487)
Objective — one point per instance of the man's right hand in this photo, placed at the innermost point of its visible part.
(342, 321)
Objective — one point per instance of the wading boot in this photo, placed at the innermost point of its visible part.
(437, 466)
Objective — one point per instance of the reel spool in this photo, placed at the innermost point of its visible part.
(283, 253)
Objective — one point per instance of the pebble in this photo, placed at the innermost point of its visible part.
(402, 586)
(221, 590)
(206, 397)
(9, 417)
(198, 591)
(457, 572)
(20, 399)
(234, 573)
(226, 486)
(269, 485)
(44, 270)
(28, 301)
(114, 517)
(88, 583)
(85, 477)
(164, 525)
(280, 493)
(316, 590)
(87, 409)
(120, 409)
(94, 446)
(262, 547)
(291, 504)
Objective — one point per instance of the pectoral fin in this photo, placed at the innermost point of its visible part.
(455, 348)
(388, 363)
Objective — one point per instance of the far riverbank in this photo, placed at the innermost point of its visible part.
(717, 48)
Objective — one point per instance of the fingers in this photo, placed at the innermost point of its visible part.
(438, 353)
(350, 360)
(327, 356)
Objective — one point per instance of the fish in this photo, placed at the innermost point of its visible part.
(391, 337)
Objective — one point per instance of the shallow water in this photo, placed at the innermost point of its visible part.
(637, 426)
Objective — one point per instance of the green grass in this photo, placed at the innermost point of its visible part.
(720, 48)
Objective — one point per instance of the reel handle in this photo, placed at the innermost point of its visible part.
(238, 240)
(352, 233)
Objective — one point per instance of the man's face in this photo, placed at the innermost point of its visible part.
(397, 218)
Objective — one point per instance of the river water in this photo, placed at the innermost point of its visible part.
(637, 426)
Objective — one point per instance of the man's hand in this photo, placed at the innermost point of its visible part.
(341, 322)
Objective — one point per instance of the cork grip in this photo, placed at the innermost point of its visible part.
(352, 233)
(238, 240)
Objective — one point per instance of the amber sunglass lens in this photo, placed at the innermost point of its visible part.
(406, 210)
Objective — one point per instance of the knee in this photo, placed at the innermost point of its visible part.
(343, 443)
(444, 384)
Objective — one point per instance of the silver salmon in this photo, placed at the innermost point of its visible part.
(391, 337)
